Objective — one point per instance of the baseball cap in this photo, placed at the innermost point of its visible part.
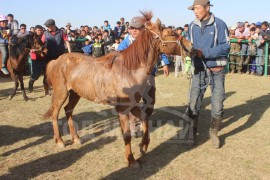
(136, 22)
(258, 23)
(199, 2)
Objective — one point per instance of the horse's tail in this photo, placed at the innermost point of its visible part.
(49, 71)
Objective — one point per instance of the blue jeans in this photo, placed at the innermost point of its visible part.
(200, 79)
(4, 52)
(259, 61)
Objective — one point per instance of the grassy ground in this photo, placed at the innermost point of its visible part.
(28, 151)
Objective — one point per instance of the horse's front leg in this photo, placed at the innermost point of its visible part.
(139, 113)
(16, 84)
(20, 76)
(145, 138)
(124, 121)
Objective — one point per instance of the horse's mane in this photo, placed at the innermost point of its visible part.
(19, 48)
(137, 52)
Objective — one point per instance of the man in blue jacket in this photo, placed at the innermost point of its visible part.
(209, 36)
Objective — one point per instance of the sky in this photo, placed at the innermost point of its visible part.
(93, 13)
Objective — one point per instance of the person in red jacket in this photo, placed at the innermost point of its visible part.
(38, 64)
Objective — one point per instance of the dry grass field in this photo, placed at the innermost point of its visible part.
(27, 149)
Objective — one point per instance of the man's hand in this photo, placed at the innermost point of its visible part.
(239, 40)
(199, 53)
(166, 70)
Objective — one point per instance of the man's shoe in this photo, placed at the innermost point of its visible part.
(213, 131)
(4, 70)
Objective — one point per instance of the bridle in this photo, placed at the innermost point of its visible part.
(164, 43)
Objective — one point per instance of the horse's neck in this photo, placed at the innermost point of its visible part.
(143, 53)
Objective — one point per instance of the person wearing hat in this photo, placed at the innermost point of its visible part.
(235, 59)
(178, 59)
(243, 33)
(123, 25)
(209, 36)
(55, 40)
(258, 24)
(67, 30)
(13, 24)
(5, 33)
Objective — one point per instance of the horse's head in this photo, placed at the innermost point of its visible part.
(168, 40)
(38, 45)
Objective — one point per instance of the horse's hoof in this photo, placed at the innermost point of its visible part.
(143, 149)
(61, 145)
(134, 164)
(77, 142)
(10, 97)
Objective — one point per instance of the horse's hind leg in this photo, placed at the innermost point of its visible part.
(16, 83)
(58, 99)
(22, 85)
(124, 121)
(72, 102)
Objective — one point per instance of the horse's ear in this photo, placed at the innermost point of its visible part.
(158, 24)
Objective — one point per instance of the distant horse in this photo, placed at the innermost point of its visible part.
(118, 79)
(18, 57)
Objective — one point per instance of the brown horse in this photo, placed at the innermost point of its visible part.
(118, 79)
(18, 55)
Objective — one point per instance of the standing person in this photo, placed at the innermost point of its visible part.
(13, 24)
(185, 32)
(209, 36)
(235, 59)
(5, 33)
(118, 29)
(23, 32)
(178, 59)
(97, 49)
(123, 25)
(32, 30)
(68, 29)
(106, 26)
(38, 64)
(55, 40)
(243, 33)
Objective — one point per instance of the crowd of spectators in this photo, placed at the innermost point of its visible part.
(246, 54)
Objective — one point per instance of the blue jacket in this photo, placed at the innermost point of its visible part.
(213, 41)
(126, 42)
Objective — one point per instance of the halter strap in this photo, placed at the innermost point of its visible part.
(162, 41)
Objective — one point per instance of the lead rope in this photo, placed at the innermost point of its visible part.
(190, 82)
